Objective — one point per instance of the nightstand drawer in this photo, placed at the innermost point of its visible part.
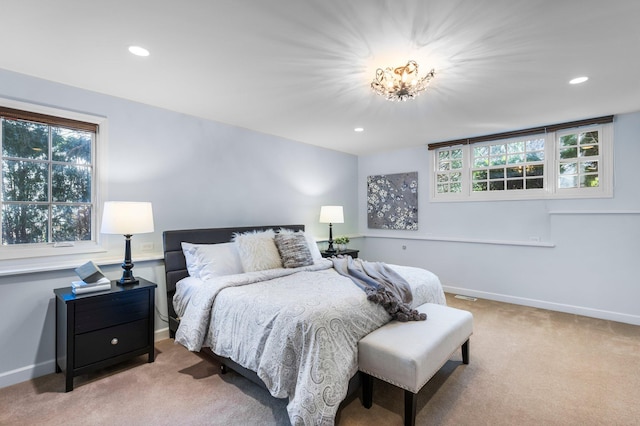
(110, 342)
(110, 310)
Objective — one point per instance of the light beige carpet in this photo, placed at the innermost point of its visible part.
(528, 367)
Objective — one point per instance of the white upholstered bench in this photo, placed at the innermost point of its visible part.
(408, 354)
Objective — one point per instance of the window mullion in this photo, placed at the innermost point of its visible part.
(50, 189)
(2, 179)
(606, 156)
(550, 163)
(466, 166)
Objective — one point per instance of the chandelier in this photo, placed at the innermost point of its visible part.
(402, 83)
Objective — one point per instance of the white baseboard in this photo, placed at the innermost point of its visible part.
(161, 334)
(29, 372)
(552, 306)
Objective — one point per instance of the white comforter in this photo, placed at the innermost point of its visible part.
(298, 329)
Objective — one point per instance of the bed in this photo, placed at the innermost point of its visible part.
(293, 330)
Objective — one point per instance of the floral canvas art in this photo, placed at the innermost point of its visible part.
(392, 201)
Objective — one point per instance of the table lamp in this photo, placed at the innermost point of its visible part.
(331, 215)
(127, 218)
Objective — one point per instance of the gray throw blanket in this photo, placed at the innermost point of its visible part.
(382, 285)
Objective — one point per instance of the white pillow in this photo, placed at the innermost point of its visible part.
(257, 250)
(189, 251)
(212, 260)
(313, 246)
(216, 260)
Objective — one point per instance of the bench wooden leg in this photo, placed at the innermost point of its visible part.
(367, 390)
(410, 400)
(465, 352)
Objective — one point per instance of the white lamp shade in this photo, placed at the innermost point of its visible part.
(331, 214)
(127, 218)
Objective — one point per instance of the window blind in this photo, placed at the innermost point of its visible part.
(16, 114)
(524, 132)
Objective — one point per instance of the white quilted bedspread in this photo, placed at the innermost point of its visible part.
(297, 328)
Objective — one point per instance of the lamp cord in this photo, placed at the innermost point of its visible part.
(161, 316)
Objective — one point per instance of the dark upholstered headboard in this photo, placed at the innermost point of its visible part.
(174, 262)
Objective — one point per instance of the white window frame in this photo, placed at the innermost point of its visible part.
(466, 174)
(605, 188)
(26, 251)
(550, 188)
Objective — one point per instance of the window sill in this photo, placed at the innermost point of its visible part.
(471, 241)
(49, 265)
(29, 254)
(593, 212)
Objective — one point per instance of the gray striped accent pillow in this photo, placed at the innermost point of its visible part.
(293, 249)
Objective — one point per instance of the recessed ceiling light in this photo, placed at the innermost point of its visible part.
(359, 129)
(138, 51)
(578, 80)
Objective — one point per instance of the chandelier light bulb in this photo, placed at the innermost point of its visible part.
(401, 83)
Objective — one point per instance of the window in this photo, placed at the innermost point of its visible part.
(557, 161)
(48, 169)
(508, 166)
(579, 160)
(449, 175)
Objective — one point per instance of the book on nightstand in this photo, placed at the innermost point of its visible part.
(92, 279)
(80, 287)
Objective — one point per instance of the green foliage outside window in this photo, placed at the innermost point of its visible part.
(47, 177)
(578, 167)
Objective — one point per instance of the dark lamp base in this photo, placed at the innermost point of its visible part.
(127, 265)
(128, 281)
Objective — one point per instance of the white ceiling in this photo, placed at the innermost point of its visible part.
(301, 69)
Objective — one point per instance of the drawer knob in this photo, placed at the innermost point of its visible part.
(114, 341)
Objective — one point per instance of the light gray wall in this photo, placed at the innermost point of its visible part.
(591, 268)
(197, 173)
